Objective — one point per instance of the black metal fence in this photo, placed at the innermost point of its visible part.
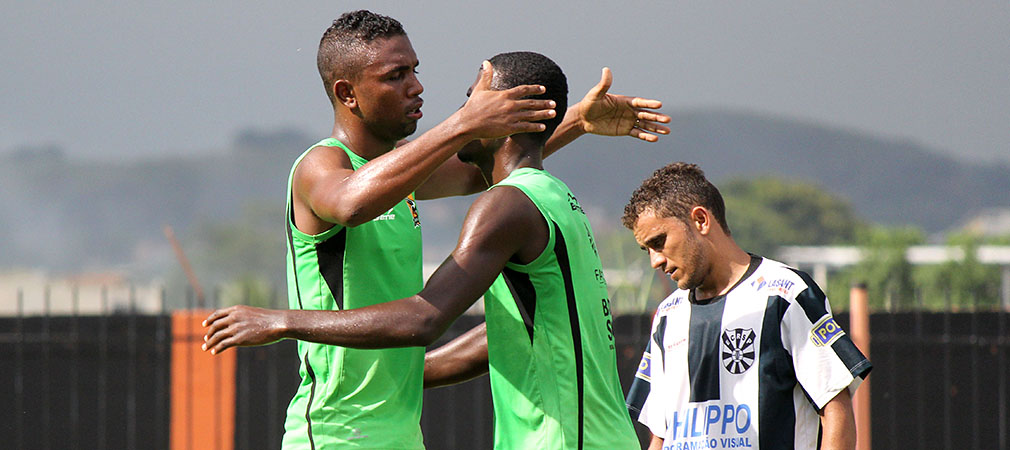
(941, 380)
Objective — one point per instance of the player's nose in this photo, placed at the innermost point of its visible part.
(657, 260)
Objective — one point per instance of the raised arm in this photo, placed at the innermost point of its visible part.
(605, 114)
(599, 112)
(500, 224)
(336, 194)
(462, 359)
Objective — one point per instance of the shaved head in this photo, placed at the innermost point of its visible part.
(345, 48)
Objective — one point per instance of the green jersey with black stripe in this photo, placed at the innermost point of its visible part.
(352, 398)
(550, 342)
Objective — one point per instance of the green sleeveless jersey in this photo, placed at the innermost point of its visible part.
(550, 342)
(351, 398)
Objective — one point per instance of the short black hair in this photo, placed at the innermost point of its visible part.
(518, 68)
(673, 191)
(341, 49)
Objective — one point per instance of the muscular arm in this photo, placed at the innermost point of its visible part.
(336, 194)
(501, 223)
(838, 424)
(599, 112)
(462, 359)
(605, 114)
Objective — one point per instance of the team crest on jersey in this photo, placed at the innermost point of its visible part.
(826, 331)
(413, 210)
(738, 349)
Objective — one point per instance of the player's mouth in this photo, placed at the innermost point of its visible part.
(414, 113)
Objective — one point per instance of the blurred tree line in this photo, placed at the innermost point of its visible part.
(243, 260)
(766, 213)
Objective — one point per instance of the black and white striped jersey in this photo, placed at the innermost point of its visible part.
(748, 369)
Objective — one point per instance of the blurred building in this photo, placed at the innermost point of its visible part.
(35, 292)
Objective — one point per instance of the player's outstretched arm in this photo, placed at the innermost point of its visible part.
(838, 423)
(599, 112)
(352, 198)
(605, 114)
(462, 359)
(501, 223)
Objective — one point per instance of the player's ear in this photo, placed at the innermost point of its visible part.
(343, 92)
(701, 220)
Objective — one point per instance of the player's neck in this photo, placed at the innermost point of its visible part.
(515, 154)
(359, 140)
(728, 266)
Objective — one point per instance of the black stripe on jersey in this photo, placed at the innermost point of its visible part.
(330, 255)
(775, 398)
(657, 337)
(639, 391)
(525, 296)
(291, 248)
(812, 299)
(704, 358)
(850, 355)
(308, 405)
(813, 302)
(561, 253)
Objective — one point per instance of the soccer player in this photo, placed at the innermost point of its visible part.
(745, 353)
(552, 360)
(353, 230)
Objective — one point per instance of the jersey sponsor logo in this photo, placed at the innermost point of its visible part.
(388, 215)
(826, 331)
(781, 286)
(711, 443)
(673, 344)
(711, 421)
(738, 349)
(670, 304)
(645, 368)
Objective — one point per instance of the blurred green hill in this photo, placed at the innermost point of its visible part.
(68, 215)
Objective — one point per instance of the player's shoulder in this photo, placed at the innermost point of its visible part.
(320, 161)
(504, 208)
(778, 279)
(323, 156)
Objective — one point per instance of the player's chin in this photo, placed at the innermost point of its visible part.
(409, 128)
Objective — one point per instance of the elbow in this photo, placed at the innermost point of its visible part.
(350, 215)
(427, 329)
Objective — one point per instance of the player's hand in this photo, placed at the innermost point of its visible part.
(619, 115)
(240, 326)
(491, 114)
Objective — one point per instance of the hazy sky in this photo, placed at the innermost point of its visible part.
(116, 80)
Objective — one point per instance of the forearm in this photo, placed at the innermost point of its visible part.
(462, 359)
(838, 425)
(567, 131)
(408, 322)
(656, 442)
(384, 181)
